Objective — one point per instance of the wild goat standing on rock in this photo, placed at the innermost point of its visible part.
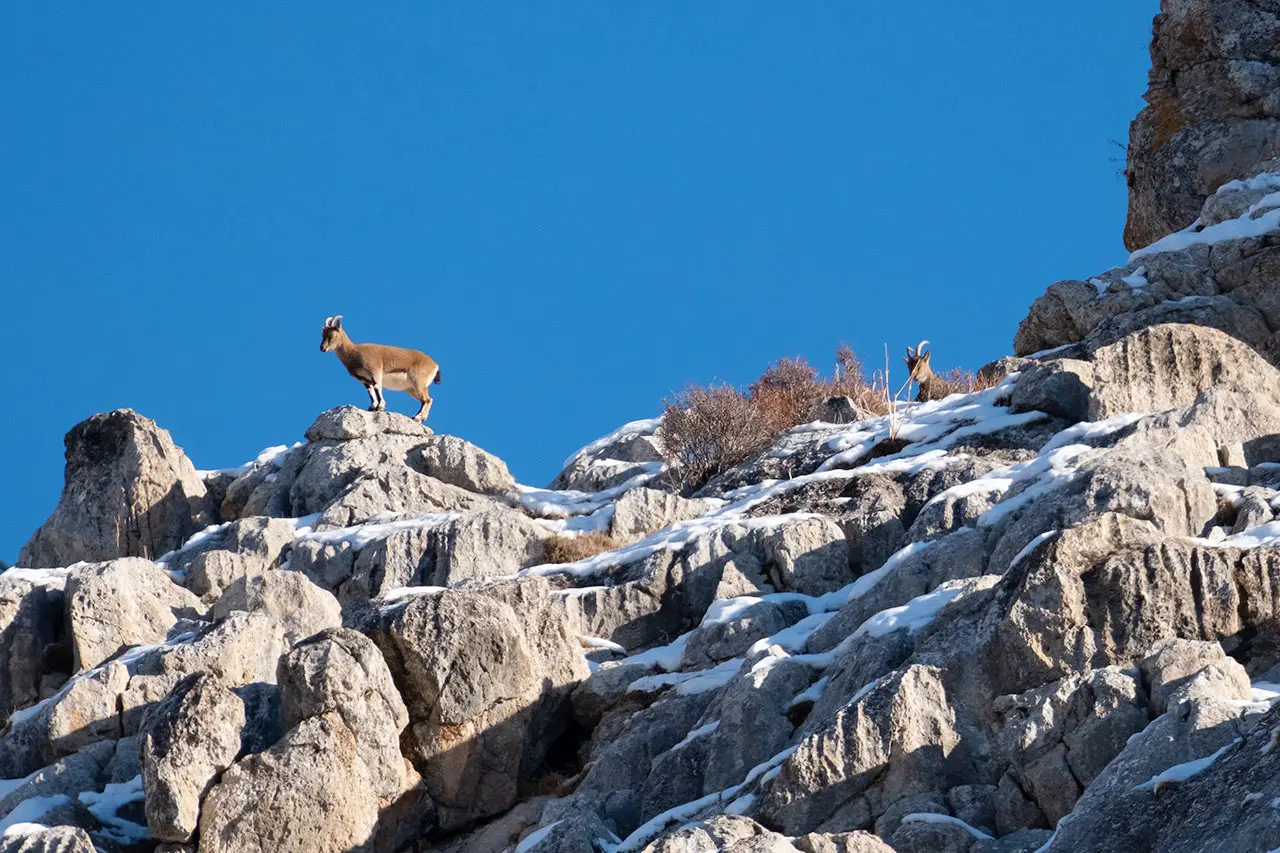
(932, 386)
(376, 366)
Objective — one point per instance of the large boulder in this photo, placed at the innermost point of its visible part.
(129, 492)
(189, 739)
(121, 603)
(485, 673)
(342, 671)
(1212, 114)
(310, 793)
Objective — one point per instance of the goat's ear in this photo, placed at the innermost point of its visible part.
(928, 355)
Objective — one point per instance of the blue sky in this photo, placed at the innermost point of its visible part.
(576, 208)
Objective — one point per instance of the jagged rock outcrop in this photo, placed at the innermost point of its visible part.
(1219, 275)
(1023, 619)
(188, 740)
(129, 492)
(1212, 114)
(485, 673)
(31, 635)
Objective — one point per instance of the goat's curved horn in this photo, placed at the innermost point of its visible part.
(920, 347)
(328, 321)
(337, 321)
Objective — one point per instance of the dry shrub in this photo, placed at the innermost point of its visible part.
(706, 431)
(967, 382)
(570, 549)
(787, 393)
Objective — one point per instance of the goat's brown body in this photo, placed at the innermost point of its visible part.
(376, 366)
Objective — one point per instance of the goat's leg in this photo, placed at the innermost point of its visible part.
(382, 401)
(373, 396)
(425, 409)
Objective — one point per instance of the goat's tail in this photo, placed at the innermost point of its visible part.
(436, 381)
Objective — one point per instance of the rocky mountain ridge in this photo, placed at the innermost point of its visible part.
(1041, 617)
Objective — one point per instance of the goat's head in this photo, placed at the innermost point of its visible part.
(918, 362)
(332, 333)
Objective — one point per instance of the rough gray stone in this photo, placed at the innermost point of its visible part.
(129, 492)
(121, 603)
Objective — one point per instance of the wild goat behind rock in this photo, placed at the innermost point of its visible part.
(376, 366)
(932, 386)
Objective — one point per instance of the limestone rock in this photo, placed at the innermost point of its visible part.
(341, 670)
(189, 739)
(129, 492)
(310, 793)
(1167, 366)
(460, 463)
(346, 423)
(294, 603)
(491, 543)
(641, 511)
(31, 630)
(122, 603)
(486, 689)
(397, 490)
(35, 838)
(248, 546)
(1211, 113)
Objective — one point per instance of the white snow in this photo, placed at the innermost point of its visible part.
(1031, 546)
(915, 615)
(658, 824)
(810, 694)
(28, 810)
(689, 683)
(646, 426)
(1182, 772)
(666, 658)
(552, 503)
(535, 838)
(1137, 279)
(697, 733)
(56, 578)
(106, 805)
(402, 595)
(1232, 229)
(361, 535)
(601, 643)
(930, 817)
(1258, 537)
(269, 456)
(1265, 691)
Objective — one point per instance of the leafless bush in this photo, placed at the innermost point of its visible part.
(570, 549)
(706, 431)
(787, 393)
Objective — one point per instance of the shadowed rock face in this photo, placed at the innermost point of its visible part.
(129, 492)
(1212, 114)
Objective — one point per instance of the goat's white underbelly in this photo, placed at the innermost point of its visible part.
(396, 381)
